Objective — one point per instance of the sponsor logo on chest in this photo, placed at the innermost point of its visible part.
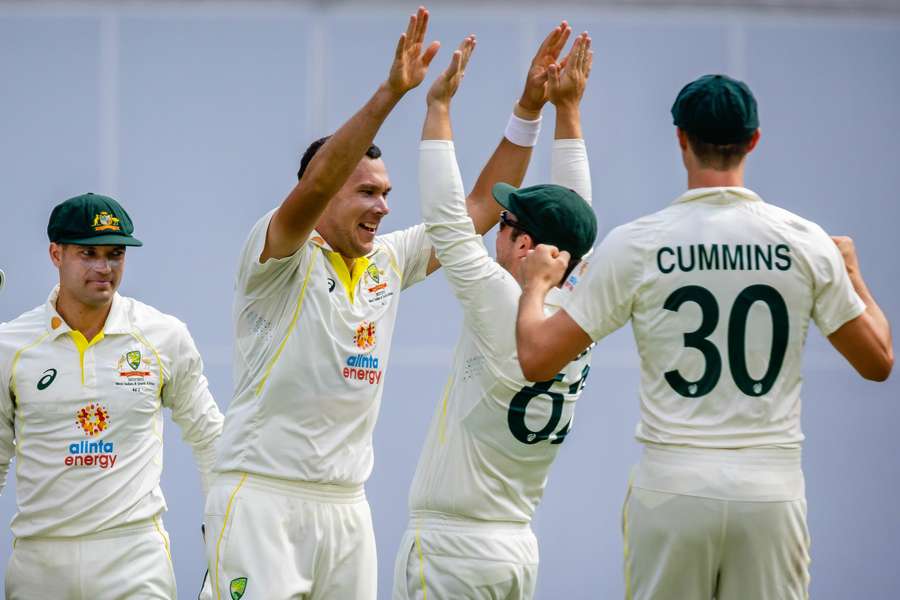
(363, 366)
(91, 420)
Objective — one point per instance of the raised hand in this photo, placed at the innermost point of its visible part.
(445, 86)
(410, 61)
(544, 267)
(566, 82)
(534, 96)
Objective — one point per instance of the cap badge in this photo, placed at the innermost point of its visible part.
(103, 221)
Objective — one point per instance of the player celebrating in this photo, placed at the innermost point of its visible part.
(720, 287)
(82, 382)
(316, 301)
(494, 434)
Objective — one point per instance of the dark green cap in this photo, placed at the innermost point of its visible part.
(91, 220)
(716, 109)
(551, 214)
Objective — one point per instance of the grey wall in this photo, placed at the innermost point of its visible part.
(195, 117)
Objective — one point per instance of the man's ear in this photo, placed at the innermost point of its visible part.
(56, 252)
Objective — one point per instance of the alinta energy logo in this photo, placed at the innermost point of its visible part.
(363, 367)
(91, 420)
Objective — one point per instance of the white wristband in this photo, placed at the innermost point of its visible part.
(521, 132)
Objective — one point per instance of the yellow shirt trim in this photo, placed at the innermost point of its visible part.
(347, 279)
(82, 344)
(297, 309)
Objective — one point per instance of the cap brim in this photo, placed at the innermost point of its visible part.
(104, 240)
(501, 192)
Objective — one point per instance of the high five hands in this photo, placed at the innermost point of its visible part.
(567, 80)
(410, 60)
(446, 84)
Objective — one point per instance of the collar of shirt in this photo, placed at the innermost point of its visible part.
(718, 194)
(117, 320)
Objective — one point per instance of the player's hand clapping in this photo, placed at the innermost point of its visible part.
(445, 86)
(410, 62)
(535, 94)
(566, 82)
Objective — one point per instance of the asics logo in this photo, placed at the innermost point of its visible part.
(45, 381)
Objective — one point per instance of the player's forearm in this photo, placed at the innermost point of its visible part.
(878, 323)
(437, 122)
(568, 121)
(333, 164)
(508, 164)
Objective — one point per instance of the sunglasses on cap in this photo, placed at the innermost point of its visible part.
(505, 221)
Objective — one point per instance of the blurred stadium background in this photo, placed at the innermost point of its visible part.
(194, 115)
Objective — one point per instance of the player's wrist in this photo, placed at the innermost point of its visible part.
(528, 110)
(521, 131)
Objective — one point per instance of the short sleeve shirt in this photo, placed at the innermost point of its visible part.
(311, 349)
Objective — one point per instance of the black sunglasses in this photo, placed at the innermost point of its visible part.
(505, 221)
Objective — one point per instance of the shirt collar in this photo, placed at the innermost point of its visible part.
(718, 194)
(317, 239)
(117, 320)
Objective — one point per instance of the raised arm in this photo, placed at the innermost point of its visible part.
(509, 162)
(566, 84)
(332, 165)
(866, 340)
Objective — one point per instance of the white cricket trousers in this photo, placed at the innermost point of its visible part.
(731, 527)
(126, 563)
(443, 557)
(273, 539)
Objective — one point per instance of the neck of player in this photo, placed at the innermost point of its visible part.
(89, 320)
(703, 178)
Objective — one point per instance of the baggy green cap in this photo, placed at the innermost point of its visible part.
(91, 220)
(716, 109)
(551, 214)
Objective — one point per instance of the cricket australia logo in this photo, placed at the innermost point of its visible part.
(104, 221)
(133, 364)
(237, 587)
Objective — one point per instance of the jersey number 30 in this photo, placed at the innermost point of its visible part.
(737, 331)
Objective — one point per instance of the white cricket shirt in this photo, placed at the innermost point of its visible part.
(494, 434)
(720, 288)
(84, 421)
(311, 349)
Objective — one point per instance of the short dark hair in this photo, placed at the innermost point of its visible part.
(720, 157)
(373, 152)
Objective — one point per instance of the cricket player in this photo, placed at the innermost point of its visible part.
(720, 288)
(494, 433)
(83, 379)
(316, 300)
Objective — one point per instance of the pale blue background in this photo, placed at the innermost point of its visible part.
(195, 118)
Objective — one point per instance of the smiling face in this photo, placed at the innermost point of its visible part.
(350, 222)
(89, 274)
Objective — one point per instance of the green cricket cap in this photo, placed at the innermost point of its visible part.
(91, 220)
(717, 109)
(551, 214)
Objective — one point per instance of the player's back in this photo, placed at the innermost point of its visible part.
(725, 290)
